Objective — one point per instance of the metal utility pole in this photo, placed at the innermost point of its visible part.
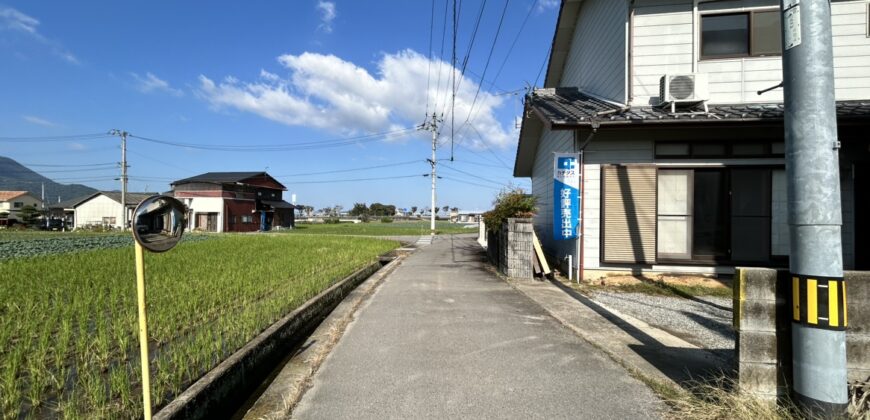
(432, 126)
(812, 166)
(123, 135)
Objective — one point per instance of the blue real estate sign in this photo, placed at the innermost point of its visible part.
(566, 195)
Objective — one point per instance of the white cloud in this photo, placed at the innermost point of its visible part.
(75, 146)
(328, 93)
(327, 15)
(14, 20)
(151, 83)
(544, 5)
(38, 121)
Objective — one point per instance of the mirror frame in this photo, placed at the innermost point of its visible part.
(170, 242)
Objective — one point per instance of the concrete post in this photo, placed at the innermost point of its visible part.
(816, 263)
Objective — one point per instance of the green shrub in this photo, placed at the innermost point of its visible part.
(509, 203)
(364, 218)
(334, 220)
(386, 220)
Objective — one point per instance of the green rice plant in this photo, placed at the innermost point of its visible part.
(206, 299)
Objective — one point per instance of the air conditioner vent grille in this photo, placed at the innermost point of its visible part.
(682, 87)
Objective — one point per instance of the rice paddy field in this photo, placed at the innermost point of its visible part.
(68, 320)
(376, 228)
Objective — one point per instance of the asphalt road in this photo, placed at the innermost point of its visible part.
(444, 338)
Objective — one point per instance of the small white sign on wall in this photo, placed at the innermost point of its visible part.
(792, 27)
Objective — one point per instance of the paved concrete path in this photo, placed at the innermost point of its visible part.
(444, 338)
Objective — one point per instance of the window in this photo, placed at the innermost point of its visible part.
(108, 220)
(749, 34)
(247, 219)
(17, 204)
(718, 214)
(712, 149)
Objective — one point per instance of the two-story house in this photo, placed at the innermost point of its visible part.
(234, 202)
(11, 203)
(683, 144)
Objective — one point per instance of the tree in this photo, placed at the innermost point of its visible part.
(336, 209)
(445, 209)
(359, 209)
(509, 203)
(413, 209)
(455, 209)
(29, 214)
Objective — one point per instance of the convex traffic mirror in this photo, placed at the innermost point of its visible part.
(158, 223)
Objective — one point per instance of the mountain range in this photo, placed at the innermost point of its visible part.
(17, 177)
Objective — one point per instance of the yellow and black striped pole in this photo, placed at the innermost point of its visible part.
(819, 302)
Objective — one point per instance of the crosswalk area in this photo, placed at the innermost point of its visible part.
(424, 240)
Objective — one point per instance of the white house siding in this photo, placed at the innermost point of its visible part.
(664, 43)
(600, 33)
(542, 188)
(93, 211)
(661, 44)
(205, 205)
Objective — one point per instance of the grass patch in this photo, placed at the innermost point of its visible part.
(380, 229)
(718, 399)
(654, 287)
(68, 323)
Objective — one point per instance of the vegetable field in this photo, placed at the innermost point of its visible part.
(68, 326)
(38, 244)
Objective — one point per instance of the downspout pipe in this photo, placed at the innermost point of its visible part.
(814, 213)
(580, 241)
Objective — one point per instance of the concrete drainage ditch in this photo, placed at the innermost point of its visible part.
(236, 381)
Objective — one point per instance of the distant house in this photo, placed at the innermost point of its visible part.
(65, 210)
(11, 203)
(103, 208)
(234, 202)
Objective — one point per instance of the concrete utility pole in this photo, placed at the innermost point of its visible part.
(814, 214)
(433, 126)
(123, 135)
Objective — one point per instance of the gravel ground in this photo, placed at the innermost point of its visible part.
(703, 320)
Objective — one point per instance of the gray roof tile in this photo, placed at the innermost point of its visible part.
(571, 107)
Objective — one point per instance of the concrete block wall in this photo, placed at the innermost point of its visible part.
(516, 248)
(762, 320)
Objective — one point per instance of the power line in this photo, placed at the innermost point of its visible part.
(488, 58)
(429, 60)
(441, 58)
(69, 166)
(389, 165)
(546, 57)
(91, 136)
(310, 145)
(476, 176)
(513, 44)
(331, 181)
(470, 183)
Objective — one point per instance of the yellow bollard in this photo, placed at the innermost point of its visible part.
(143, 332)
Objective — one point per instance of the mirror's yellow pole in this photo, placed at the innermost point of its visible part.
(143, 332)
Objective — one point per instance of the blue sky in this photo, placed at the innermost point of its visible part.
(292, 77)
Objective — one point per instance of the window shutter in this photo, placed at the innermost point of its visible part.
(629, 213)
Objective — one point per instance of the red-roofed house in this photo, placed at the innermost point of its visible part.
(234, 202)
(11, 203)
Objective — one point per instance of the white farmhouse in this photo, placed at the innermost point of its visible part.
(104, 209)
(684, 164)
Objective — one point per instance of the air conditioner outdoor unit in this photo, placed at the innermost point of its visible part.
(684, 88)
